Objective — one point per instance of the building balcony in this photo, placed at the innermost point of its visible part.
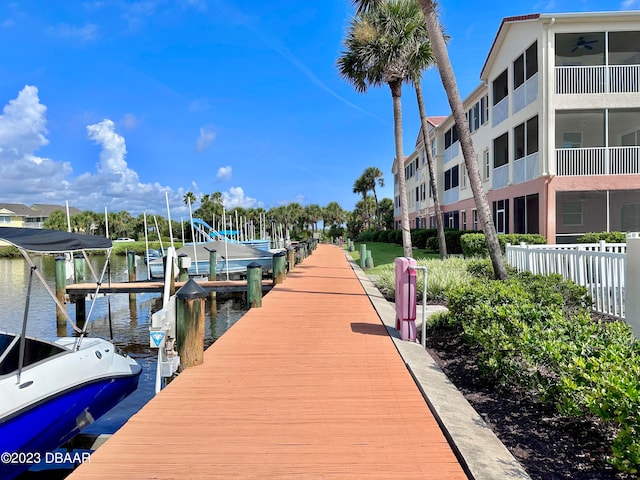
(452, 152)
(597, 79)
(598, 161)
(500, 176)
(500, 111)
(526, 168)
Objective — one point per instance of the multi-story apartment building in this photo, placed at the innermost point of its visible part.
(556, 129)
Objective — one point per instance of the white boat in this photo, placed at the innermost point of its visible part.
(51, 390)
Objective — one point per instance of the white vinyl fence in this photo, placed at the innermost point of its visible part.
(599, 267)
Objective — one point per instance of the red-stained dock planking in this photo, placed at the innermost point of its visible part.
(308, 386)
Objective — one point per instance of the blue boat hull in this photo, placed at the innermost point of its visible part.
(47, 425)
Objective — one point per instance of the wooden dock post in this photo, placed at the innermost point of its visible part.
(291, 257)
(131, 270)
(254, 285)
(61, 285)
(212, 264)
(183, 271)
(79, 268)
(190, 323)
(131, 265)
(279, 268)
(363, 255)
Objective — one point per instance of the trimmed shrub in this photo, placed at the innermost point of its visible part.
(609, 237)
(535, 335)
(475, 245)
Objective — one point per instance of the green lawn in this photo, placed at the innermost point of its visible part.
(385, 253)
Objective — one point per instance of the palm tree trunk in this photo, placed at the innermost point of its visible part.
(442, 242)
(449, 82)
(396, 93)
(375, 199)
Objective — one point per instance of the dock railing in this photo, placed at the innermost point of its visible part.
(599, 267)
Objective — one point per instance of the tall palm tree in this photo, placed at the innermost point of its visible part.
(451, 88)
(433, 184)
(360, 186)
(373, 176)
(388, 44)
(189, 198)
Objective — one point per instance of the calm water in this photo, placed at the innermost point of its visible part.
(130, 322)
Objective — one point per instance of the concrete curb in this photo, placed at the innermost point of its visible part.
(481, 453)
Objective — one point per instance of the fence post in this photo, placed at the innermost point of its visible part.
(363, 255)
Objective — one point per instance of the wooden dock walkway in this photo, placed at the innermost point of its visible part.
(308, 386)
(223, 286)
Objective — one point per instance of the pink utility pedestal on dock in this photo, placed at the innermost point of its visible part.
(406, 295)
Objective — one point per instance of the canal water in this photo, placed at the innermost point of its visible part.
(130, 321)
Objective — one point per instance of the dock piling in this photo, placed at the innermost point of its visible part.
(254, 285)
(279, 268)
(190, 323)
(61, 284)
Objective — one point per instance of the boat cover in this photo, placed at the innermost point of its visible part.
(52, 241)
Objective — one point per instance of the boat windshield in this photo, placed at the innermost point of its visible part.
(5, 341)
(35, 351)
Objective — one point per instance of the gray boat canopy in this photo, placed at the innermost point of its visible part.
(52, 241)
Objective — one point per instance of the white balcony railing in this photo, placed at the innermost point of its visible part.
(598, 79)
(525, 93)
(500, 176)
(500, 111)
(451, 196)
(452, 152)
(598, 161)
(526, 168)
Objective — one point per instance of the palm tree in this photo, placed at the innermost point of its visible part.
(189, 198)
(433, 185)
(449, 83)
(373, 176)
(388, 45)
(360, 186)
(333, 214)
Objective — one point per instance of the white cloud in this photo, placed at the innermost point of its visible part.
(22, 133)
(199, 105)
(84, 33)
(235, 197)
(205, 139)
(224, 173)
(129, 121)
(630, 4)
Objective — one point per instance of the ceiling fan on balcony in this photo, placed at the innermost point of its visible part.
(582, 43)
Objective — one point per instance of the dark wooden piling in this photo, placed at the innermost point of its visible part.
(79, 268)
(254, 285)
(212, 264)
(279, 268)
(291, 257)
(190, 323)
(183, 269)
(61, 285)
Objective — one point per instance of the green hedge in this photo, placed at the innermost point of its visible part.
(475, 245)
(609, 237)
(535, 335)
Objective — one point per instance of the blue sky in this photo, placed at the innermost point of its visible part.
(112, 103)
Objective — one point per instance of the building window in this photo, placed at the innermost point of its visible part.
(463, 218)
(451, 178)
(500, 88)
(5, 219)
(450, 137)
(572, 214)
(487, 165)
(501, 216)
(501, 150)
(423, 192)
(475, 219)
(463, 182)
(484, 109)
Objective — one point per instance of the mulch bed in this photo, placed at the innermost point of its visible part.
(548, 446)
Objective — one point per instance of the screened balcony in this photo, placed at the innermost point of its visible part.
(597, 62)
(598, 142)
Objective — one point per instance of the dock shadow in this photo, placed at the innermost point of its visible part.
(369, 329)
